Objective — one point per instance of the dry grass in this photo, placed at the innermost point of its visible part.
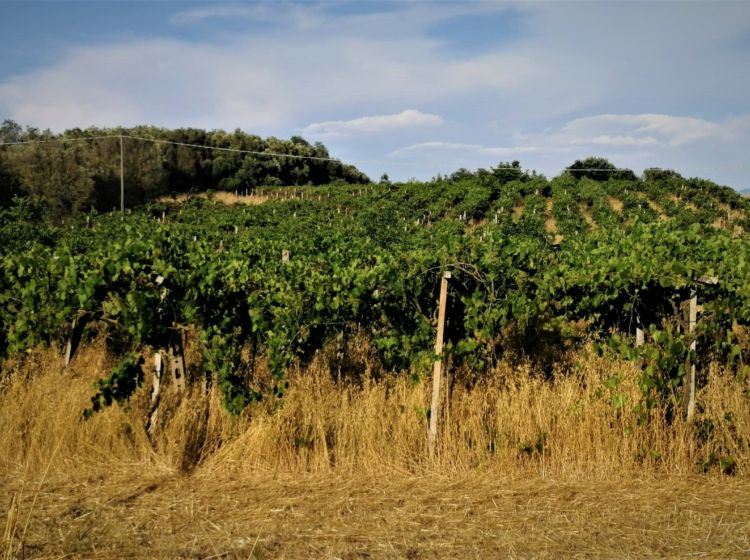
(550, 224)
(588, 218)
(526, 465)
(224, 197)
(661, 215)
(371, 423)
(476, 516)
(685, 203)
(616, 204)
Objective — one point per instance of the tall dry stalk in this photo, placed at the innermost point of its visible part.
(512, 421)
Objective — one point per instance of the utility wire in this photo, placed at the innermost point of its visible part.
(51, 140)
(173, 143)
(258, 153)
(235, 150)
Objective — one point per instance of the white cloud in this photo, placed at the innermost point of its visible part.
(262, 12)
(372, 125)
(268, 84)
(635, 141)
(461, 150)
(640, 129)
(619, 140)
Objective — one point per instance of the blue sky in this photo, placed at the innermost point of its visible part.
(408, 88)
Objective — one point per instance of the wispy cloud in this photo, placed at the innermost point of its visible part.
(640, 129)
(373, 125)
(460, 149)
(637, 141)
(261, 12)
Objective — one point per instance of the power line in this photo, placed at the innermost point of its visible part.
(596, 169)
(174, 143)
(259, 153)
(51, 140)
(235, 150)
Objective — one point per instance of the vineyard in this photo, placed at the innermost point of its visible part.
(538, 267)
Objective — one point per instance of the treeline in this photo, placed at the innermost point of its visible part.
(583, 172)
(72, 174)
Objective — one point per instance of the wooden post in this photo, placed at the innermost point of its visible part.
(437, 370)
(74, 339)
(688, 395)
(689, 381)
(639, 337)
(177, 361)
(153, 415)
(122, 178)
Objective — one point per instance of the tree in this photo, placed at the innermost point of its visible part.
(506, 172)
(656, 174)
(599, 169)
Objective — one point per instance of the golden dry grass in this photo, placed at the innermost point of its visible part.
(661, 215)
(616, 204)
(526, 466)
(687, 204)
(476, 516)
(550, 224)
(588, 218)
(224, 197)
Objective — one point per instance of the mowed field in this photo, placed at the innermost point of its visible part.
(479, 515)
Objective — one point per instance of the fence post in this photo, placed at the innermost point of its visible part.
(688, 396)
(122, 178)
(153, 415)
(639, 337)
(689, 381)
(177, 361)
(74, 339)
(437, 370)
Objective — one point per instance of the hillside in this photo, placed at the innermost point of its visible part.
(244, 349)
(530, 258)
(79, 169)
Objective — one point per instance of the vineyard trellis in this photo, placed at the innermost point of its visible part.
(143, 276)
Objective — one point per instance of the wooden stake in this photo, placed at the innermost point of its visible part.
(639, 337)
(74, 339)
(153, 415)
(177, 362)
(122, 178)
(437, 370)
(688, 395)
